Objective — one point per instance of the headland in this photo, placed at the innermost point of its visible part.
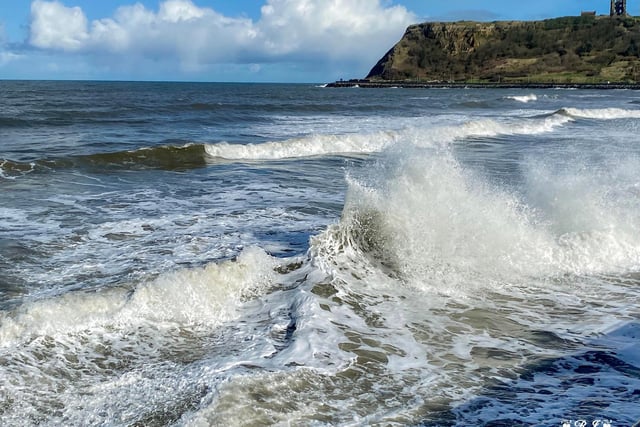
(587, 51)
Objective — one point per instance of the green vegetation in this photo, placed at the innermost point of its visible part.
(585, 49)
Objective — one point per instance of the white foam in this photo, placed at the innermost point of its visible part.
(118, 356)
(134, 234)
(594, 372)
(603, 113)
(317, 145)
(523, 98)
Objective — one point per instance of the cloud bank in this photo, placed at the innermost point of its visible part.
(354, 33)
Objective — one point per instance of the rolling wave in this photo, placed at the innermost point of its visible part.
(196, 155)
(316, 145)
(10, 169)
(323, 145)
(166, 157)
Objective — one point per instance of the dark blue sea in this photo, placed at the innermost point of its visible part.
(294, 255)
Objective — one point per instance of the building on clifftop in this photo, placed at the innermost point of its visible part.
(618, 7)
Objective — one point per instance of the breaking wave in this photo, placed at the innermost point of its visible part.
(323, 145)
(206, 296)
(601, 114)
(151, 353)
(435, 225)
(317, 145)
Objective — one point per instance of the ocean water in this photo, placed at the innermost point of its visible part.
(221, 255)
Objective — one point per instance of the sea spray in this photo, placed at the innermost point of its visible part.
(590, 210)
(433, 223)
(428, 220)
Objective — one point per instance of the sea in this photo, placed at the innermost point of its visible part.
(200, 254)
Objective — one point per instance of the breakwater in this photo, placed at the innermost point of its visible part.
(486, 85)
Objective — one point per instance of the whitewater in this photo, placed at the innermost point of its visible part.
(220, 254)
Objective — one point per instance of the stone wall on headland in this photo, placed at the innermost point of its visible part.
(461, 85)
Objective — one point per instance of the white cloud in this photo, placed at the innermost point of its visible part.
(337, 29)
(179, 10)
(54, 26)
(288, 31)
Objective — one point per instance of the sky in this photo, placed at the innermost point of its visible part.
(309, 41)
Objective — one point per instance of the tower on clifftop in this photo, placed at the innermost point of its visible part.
(618, 7)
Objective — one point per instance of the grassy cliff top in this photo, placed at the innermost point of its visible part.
(585, 49)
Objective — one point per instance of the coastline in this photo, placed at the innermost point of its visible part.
(487, 85)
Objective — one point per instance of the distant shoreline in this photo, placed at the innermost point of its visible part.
(488, 85)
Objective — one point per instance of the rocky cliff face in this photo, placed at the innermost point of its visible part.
(575, 49)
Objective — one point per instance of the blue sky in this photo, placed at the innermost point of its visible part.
(230, 40)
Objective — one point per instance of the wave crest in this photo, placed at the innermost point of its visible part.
(523, 98)
(205, 296)
(315, 145)
(349, 144)
(601, 113)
